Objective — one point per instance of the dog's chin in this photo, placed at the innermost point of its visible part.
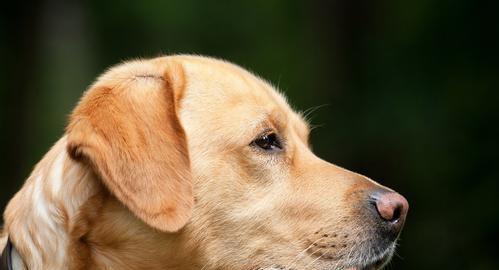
(374, 262)
(376, 265)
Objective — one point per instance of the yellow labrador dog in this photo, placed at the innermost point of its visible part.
(186, 162)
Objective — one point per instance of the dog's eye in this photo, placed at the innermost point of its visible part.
(268, 142)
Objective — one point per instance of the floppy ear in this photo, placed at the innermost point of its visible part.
(126, 128)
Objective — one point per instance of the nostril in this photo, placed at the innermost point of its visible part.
(396, 213)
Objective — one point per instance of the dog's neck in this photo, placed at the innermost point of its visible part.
(39, 217)
(64, 218)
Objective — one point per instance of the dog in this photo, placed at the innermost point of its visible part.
(189, 162)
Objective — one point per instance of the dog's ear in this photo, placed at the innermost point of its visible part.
(126, 128)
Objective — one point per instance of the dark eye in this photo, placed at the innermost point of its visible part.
(268, 142)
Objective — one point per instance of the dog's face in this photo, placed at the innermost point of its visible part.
(263, 197)
(260, 198)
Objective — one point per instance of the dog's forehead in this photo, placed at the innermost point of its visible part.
(217, 83)
(225, 95)
(224, 79)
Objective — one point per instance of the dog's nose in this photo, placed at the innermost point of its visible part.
(391, 207)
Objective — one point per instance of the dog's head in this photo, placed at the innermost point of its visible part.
(200, 147)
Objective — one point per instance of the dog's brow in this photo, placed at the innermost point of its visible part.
(278, 119)
(273, 119)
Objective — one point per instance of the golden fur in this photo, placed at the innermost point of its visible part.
(157, 171)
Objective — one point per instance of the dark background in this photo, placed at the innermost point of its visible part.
(410, 91)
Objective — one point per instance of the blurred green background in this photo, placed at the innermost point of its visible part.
(410, 90)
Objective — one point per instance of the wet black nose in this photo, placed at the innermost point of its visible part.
(391, 209)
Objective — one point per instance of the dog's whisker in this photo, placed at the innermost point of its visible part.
(313, 127)
(293, 262)
(312, 262)
(306, 113)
